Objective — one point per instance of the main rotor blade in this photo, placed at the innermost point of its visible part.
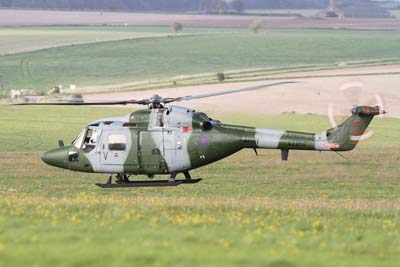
(153, 101)
(90, 103)
(252, 88)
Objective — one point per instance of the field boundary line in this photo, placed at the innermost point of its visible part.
(44, 48)
(264, 75)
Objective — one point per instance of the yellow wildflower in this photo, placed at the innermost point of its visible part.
(300, 233)
(127, 216)
(389, 223)
(227, 244)
(72, 218)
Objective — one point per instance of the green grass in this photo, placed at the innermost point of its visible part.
(14, 40)
(317, 209)
(152, 58)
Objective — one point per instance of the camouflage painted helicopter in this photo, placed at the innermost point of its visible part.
(172, 140)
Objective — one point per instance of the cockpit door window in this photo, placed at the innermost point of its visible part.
(91, 139)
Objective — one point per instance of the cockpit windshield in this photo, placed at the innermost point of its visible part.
(79, 140)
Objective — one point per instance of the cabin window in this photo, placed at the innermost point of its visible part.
(160, 118)
(129, 124)
(116, 142)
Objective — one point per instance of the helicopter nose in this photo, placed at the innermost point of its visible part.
(57, 157)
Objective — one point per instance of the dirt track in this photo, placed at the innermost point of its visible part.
(309, 95)
(45, 18)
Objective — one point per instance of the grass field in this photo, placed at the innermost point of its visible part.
(315, 210)
(219, 50)
(33, 38)
(14, 40)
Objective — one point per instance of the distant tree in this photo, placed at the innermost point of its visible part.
(256, 25)
(6, 3)
(177, 27)
(331, 14)
(77, 96)
(222, 5)
(165, 5)
(220, 76)
(210, 5)
(237, 5)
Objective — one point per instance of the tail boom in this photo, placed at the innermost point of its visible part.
(341, 138)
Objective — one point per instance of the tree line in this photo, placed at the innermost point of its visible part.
(161, 5)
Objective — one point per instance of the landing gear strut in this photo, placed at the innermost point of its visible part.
(122, 180)
(174, 174)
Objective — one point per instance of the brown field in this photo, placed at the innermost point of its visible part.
(47, 18)
(313, 93)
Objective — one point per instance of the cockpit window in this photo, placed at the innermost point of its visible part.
(87, 139)
(91, 138)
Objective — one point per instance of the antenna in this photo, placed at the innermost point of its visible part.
(341, 155)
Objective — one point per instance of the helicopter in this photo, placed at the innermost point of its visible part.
(168, 140)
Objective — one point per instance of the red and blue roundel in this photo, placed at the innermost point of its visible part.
(203, 140)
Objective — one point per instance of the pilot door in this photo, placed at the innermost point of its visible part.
(114, 148)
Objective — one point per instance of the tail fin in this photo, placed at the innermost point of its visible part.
(346, 136)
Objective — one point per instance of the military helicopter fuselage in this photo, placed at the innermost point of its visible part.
(151, 141)
(171, 139)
